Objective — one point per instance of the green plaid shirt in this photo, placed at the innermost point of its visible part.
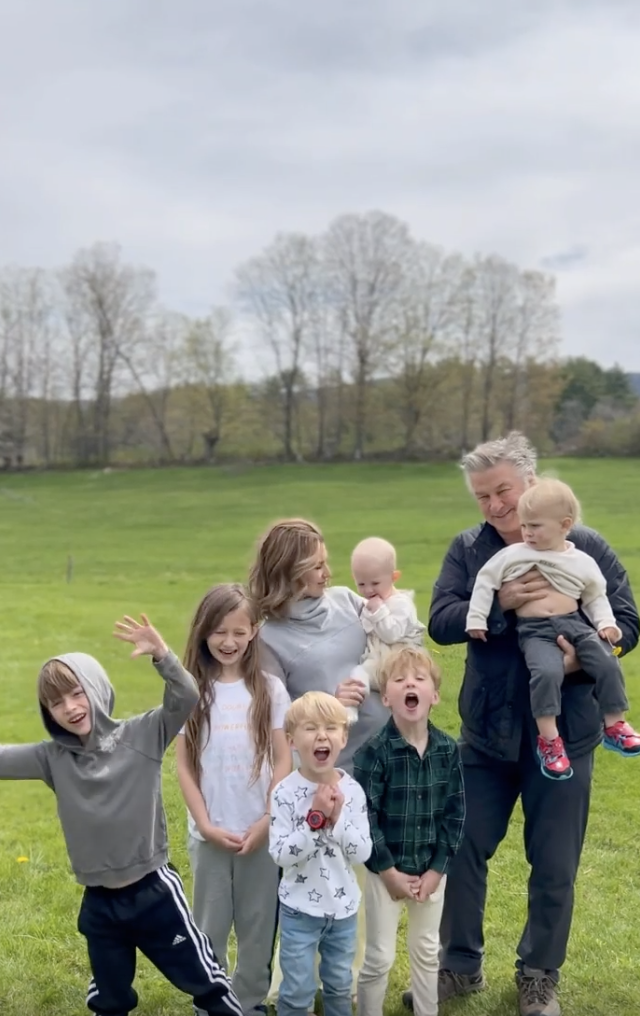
(416, 805)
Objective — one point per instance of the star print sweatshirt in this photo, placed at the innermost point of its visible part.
(109, 789)
(317, 873)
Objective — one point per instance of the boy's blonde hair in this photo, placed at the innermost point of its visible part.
(315, 707)
(286, 551)
(55, 680)
(548, 496)
(407, 658)
(374, 548)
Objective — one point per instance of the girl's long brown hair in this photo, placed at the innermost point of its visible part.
(286, 551)
(211, 612)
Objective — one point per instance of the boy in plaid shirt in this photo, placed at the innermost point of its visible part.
(412, 778)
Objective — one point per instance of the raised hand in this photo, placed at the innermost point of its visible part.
(145, 638)
(323, 799)
(374, 603)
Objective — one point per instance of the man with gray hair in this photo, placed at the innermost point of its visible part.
(498, 738)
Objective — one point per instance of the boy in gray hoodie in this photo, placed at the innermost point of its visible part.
(106, 775)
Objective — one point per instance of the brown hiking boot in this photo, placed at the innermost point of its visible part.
(537, 994)
(451, 984)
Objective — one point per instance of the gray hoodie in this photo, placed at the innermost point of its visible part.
(109, 790)
(316, 648)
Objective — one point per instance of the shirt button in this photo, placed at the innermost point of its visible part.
(419, 797)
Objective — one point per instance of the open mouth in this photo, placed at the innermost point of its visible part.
(411, 700)
(227, 652)
(321, 754)
(77, 719)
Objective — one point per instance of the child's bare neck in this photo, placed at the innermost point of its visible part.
(229, 675)
(555, 548)
(330, 777)
(416, 734)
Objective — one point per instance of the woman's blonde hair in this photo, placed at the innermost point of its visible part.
(286, 551)
(404, 658)
(548, 496)
(315, 707)
(211, 612)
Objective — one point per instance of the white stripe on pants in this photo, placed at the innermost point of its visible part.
(276, 979)
(423, 940)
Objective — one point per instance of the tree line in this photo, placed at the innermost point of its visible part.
(360, 342)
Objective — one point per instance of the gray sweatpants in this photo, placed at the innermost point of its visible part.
(538, 636)
(241, 893)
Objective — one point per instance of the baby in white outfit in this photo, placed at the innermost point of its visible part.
(388, 617)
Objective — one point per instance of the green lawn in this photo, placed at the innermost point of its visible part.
(154, 541)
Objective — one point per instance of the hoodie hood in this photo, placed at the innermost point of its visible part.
(99, 691)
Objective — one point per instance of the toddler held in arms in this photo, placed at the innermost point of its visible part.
(388, 617)
(548, 510)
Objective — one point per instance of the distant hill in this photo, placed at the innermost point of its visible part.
(634, 380)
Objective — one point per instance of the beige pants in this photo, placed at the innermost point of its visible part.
(276, 979)
(423, 940)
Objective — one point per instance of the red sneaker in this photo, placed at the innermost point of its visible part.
(554, 761)
(621, 737)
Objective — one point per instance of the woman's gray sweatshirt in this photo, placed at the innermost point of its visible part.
(317, 647)
(109, 789)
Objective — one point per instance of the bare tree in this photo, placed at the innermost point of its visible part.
(26, 358)
(153, 360)
(536, 339)
(107, 305)
(280, 290)
(444, 350)
(367, 259)
(465, 349)
(208, 365)
(423, 333)
(496, 284)
(325, 346)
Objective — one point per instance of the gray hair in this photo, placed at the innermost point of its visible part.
(515, 449)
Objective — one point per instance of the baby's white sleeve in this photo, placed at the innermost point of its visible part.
(394, 618)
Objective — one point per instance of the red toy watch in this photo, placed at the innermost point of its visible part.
(316, 819)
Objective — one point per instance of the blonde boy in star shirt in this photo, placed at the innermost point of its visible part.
(319, 830)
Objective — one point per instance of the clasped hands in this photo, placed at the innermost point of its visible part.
(410, 887)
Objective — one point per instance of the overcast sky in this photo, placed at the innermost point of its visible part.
(190, 131)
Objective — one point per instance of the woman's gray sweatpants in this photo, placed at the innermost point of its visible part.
(236, 892)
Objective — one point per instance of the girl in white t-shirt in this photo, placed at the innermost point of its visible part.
(232, 752)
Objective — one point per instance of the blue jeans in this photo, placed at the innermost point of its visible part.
(301, 937)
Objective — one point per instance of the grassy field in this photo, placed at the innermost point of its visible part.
(154, 541)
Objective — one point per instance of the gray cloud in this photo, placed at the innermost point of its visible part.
(192, 132)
